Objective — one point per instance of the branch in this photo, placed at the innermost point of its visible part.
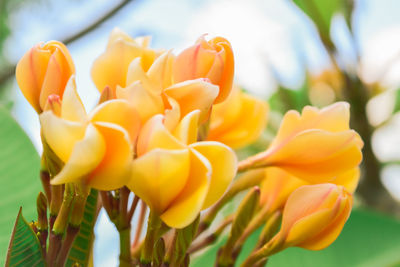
(9, 71)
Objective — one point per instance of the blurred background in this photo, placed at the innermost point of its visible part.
(315, 52)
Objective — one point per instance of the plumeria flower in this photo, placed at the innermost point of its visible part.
(96, 148)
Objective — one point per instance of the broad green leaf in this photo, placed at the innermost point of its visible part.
(24, 247)
(19, 177)
(81, 250)
(367, 240)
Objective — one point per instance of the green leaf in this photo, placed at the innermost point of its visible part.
(24, 249)
(321, 13)
(19, 177)
(367, 240)
(81, 250)
(285, 99)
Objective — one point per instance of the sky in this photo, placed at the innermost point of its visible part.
(268, 37)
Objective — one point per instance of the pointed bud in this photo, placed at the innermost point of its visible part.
(159, 252)
(41, 205)
(106, 94)
(54, 104)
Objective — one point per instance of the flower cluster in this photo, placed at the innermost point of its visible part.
(165, 128)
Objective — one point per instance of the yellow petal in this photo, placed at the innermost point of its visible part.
(154, 135)
(160, 72)
(172, 113)
(145, 102)
(317, 155)
(85, 157)
(110, 68)
(60, 134)
(185, 208)
(72, 108)
(118, 112)
(114, 169)
(187, 129)
(248, 125)
(276, 188)
(333, 118)
(224, 164)
(192, 95)
(159, 177)
(349, 179)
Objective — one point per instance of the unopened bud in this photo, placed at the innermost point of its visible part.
(53, 103)
(106, 94)
(41, 205)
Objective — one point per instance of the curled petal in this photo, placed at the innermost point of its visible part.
(118, 112)
(159, 177)
(187, 129)
(60, 134)
(349, 179)
(192, 95)
(72, 108)
(145, 102)
(155, 135)
(86, 155)
(187, 205)
(114, 169)
(224, 165)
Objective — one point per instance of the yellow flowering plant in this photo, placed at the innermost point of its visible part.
(163, 136)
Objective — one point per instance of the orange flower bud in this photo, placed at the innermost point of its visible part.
(44, 70)
(207, 59)
(314, 216)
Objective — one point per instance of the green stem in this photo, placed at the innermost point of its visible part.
(153, 226)
(125, 259)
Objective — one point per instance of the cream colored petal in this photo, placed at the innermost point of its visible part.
(118, 112)
(192, 95)
(60, 134)
(223, 161)
(155, 135)
(113, 171)
(159, 177)
(160, 72)
(72, 108)
(186, 207)
(145, 102)
(117, 34)
(187, 129)
(85, 157)
(172, 113)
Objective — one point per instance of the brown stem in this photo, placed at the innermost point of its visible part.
(45, 179)
(70, 236)
(139, 228)
(54, 247)
(133, 207)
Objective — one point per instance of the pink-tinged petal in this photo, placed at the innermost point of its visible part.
(61, 135)
(192, 95)
(53, 82)
(187, 129)
(72, 108)
(114, 170)
(154, 135)
(159, 177)
(223, 161)
(145, 102)
(85, 157)
(30, 73)
(118, 112)
(187, 205)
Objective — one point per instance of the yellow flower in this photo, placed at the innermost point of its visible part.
(239, 120)
(211, 59)
(96, 148)
(313, 217)
(175, 175)
(151, 91)
(42, 71)
(278, 185)
(316, 146)
(111, 68)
